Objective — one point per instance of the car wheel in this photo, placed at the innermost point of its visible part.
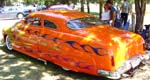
(20, 16)
(8, 43)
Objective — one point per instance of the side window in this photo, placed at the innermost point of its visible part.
(10, 9)
(33, 20)
(28, 20)
(49, 24)
(36, 22)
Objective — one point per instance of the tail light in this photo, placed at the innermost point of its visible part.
(112, 61)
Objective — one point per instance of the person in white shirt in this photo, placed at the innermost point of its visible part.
(105, 16)
(125, 8)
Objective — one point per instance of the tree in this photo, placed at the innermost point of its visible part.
(88, 6)
(100, 7)
(140, 6)
(82, 5)
(1, 2)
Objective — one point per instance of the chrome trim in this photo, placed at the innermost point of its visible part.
(128, 65)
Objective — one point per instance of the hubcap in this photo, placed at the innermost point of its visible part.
(20, 16)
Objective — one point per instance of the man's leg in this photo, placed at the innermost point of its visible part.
(125, 18)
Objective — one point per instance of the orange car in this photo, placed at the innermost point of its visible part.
(76, 41)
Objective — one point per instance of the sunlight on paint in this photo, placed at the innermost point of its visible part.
(26, 26)
(22, 33)
(121, 51)
(32, 14)
(135, 36)
(110, 44)
(89, 38)
(58, 15)
(6, 28)
(63, 11)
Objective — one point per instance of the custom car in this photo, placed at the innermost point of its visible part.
(77, 41)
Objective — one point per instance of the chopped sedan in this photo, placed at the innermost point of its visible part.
(76, 41)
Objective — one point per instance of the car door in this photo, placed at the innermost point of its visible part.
(46, 44)
(27, 36)
(12, 12)
(3, 13)
(57, 46)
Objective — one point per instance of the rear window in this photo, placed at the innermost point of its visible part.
(84, 23)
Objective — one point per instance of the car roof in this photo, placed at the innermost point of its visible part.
(64, 14)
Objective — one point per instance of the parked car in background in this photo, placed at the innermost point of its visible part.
(41, 7)
(14, 12)
(60, 7)
(77, 41)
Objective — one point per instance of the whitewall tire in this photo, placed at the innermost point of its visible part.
(8, 43)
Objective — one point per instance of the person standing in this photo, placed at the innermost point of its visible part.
(105, 16)
(113, 12)
(125, 8)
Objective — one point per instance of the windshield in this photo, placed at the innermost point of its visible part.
(84, 22)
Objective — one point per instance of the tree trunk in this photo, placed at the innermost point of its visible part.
(1, 3)
(82, 5)
(88, 6)
(140, 6)
(100, 8)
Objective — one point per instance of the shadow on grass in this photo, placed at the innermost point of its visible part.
(17, 66)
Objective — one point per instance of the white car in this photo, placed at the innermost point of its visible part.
(60, 7)
(14, 12)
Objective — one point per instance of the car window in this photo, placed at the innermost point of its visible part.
(83, 22)
(28, 20)
(33, 21)
(36, 22)
(49, 24)
(12, 9)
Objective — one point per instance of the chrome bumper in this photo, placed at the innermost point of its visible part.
(128, 65)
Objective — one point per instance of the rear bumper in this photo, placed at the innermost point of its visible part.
(128, 65)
